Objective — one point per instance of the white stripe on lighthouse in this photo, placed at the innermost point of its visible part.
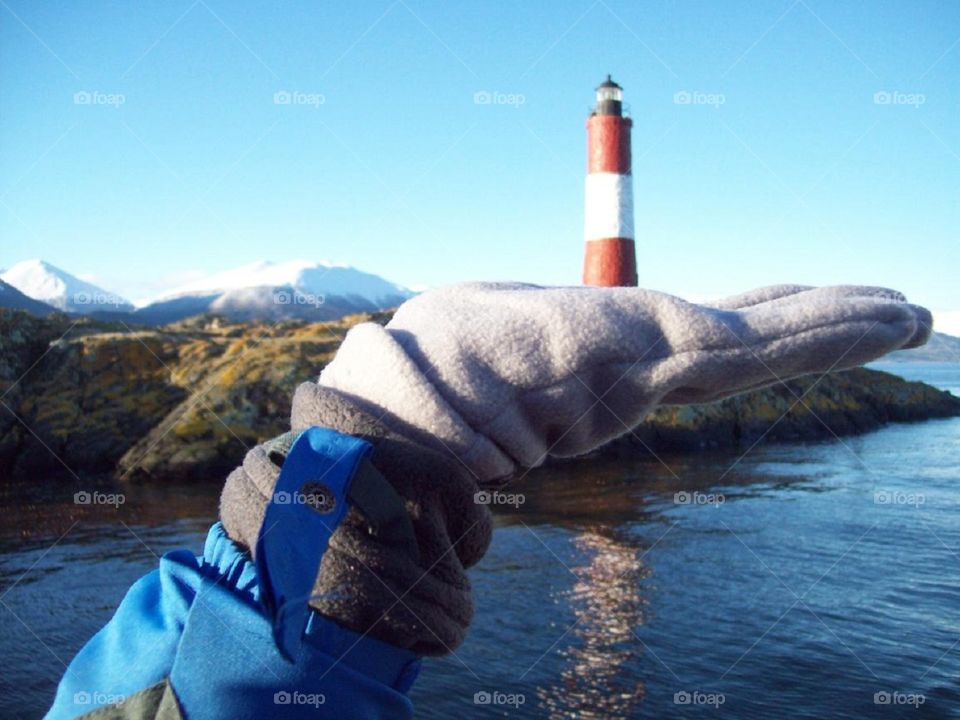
(609, 206)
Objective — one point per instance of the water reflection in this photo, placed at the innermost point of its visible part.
(615, 511)
(596, 680)
(602, 508)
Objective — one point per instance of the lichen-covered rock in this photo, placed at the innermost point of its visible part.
(182, 401)
(88, 397)
(24, 338)
(806, 408)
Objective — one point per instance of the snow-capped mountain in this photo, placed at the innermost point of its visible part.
(306, 276)
(266, 290)
(260, 291)
(13, 299)
(49, 284)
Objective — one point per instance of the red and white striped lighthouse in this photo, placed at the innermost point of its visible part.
(610, 259)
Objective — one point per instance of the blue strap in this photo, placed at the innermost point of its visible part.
(308, 503)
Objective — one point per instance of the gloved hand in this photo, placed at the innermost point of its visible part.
(415, 600)
(504, 375)
(466, 383)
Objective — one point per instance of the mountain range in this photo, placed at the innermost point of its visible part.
(940, 348)
(262, 290)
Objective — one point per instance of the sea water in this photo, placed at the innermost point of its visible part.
(806, 580)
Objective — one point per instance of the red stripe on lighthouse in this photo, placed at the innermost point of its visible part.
(608, 144)
(610, 263)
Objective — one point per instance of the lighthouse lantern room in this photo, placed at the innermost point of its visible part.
(609, 98)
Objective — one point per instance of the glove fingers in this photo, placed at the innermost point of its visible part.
(729, 353)
(757, 296)
(790, 293)
(825, 306)
(827, 330)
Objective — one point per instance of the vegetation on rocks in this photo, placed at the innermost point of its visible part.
(185, 400)
(812, 407)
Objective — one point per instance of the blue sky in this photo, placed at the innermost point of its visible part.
(182, 162)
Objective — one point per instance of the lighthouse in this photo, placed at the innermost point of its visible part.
(610, 257)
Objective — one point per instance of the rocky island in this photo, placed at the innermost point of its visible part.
(81, 397)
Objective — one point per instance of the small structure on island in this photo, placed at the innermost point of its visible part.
(610, 258)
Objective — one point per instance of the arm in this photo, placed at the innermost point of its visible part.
(462, 387)
(200, 638)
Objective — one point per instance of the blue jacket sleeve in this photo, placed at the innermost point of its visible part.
(198, 622)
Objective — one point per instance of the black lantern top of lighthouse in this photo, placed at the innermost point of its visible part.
(609, 98)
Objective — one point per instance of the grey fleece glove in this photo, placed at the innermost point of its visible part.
(469, 382)
(503, 375)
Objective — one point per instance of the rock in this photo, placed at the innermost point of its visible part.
(812, 407)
